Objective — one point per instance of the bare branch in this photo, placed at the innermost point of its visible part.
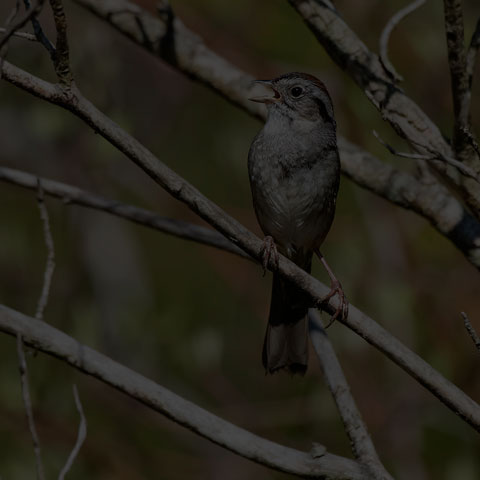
(50, 265)
(464, 169)
(27, 402)
(405, 116)
(82, 434)
(387, 31)
(362, 446)
(24, 35)
(471, 331)
(24, 19)
(62, 55)
(193, 58)
(73, 195)
(179, 188)
(45, 338)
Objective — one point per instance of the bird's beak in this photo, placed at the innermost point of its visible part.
(271, 96)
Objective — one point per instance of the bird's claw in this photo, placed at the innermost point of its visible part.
(342, 308)
(269, 253)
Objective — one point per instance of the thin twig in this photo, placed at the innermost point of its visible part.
(50, 264)
(385, 37)
(76, 196)
(24, 35)
(82, 434)
(471, 331)
(34, 10)
(464, 169)
(360, 441)
(39, 34)
(27, 402)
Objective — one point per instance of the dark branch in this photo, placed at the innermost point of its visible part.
(61, 58)
(470, 330)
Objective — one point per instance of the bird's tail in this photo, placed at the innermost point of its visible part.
(286, 339)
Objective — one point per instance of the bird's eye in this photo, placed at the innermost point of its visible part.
(296, 91)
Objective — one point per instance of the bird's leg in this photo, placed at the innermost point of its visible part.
(269, 253)
(336, 289)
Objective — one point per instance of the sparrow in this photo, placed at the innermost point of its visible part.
(294, 172)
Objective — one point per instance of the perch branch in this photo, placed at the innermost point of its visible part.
(48, 339)
(387, 31)
(74, 195)
(194, 59)
(50, 264)
(360, 440)
(27, 402)
(72, 100)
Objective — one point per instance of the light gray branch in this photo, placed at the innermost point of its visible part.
(61, 58)
(27, 402)
(47, 339)
(50, 264)
(71, 99)
(188, 54)
(360, 440)
(73, 195)
(387, 31)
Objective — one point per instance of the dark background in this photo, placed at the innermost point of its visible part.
(192, 318)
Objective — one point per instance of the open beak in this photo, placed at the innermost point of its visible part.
(271, 96)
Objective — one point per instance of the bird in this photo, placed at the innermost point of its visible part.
(294, 173)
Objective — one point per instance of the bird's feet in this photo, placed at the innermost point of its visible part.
(342, 308)
(269, 253)
(335, 289)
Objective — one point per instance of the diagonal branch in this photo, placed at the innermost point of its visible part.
(74, 195)
(48, 339)
(472, 54)
(360, 440)
(72, 100)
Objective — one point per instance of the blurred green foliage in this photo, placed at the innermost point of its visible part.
(192, 318)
